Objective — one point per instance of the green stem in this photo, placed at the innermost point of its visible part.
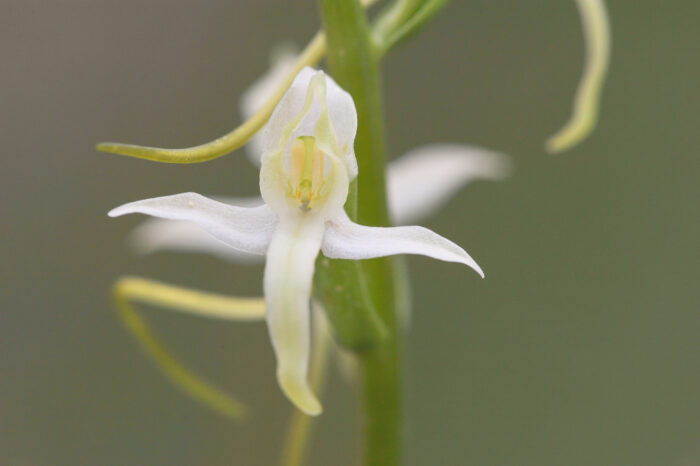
(352, 61)
(406, 25)
(393, 16)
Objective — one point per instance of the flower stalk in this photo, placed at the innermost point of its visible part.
(353, 62)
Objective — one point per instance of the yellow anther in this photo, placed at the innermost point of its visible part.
(305, 170)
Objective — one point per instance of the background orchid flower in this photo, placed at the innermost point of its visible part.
(306, 169)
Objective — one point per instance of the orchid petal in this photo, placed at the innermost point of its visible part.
(156, 234)
(345, 239)
(288, 275)
(282, 63)
(245, 229)
(425, 178)
(298, 114)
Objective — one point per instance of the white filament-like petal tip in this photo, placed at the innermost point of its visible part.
(118, 211)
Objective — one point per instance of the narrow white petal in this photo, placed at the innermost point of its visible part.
(343, 116)
(157, 234)
(245, 229)
(345, 239)
(424, 179)
(288, 274)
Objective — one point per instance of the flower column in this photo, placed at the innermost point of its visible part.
(353, 63)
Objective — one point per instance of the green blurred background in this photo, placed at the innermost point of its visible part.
(580, 348)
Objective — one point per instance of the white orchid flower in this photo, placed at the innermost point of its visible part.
(410, 198)
(306, 169)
